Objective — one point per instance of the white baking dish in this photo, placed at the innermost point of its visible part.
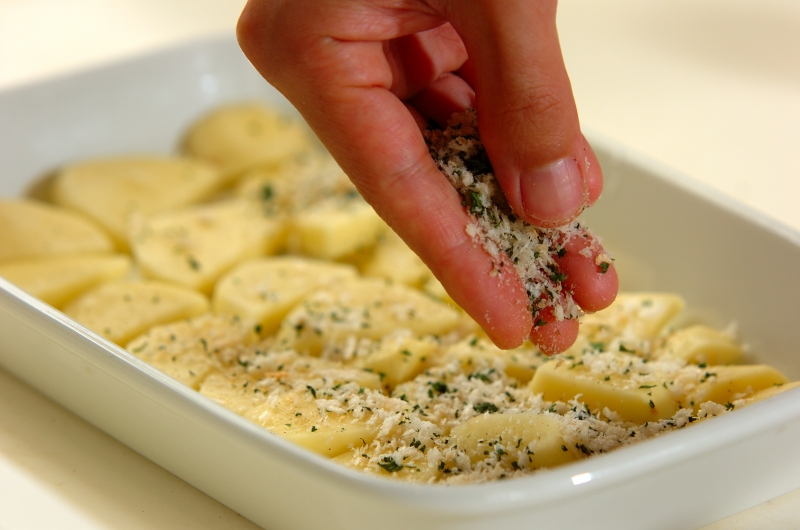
(667, 233)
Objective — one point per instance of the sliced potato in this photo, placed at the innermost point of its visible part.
(31, 229)
(59, 279)
(560, 380)
(299, 419)
(111, 190)
(478, 354)
(241, 136)
(197, 245)
(633, 315)
(701, 345)
(725, 384)
(399, 360)
(191, 350)
(366, 308)
(334, 228)
(120, 311)
(235, 391)
(394, 261)
(768, 392)
(533, 440)
(265, 290)
(295, 183)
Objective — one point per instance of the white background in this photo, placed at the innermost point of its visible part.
(710, 88)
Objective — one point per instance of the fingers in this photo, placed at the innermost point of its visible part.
(528, 118)
(553, 336)
(419, 59)
(445, 96)
(591, 276)
(344, 89)
(410, 193)
(347, 70)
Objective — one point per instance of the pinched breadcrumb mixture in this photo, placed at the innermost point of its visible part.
(460, 155)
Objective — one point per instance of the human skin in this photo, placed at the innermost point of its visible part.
(367, 75)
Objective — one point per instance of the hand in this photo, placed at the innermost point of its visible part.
(366, 74)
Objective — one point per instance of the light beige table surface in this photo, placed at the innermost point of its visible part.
(711, 88)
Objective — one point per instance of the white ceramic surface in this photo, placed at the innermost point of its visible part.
(673, 235)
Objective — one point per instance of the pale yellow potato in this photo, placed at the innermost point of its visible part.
(363, 309)
(635, 315)
(295, 183)
(298, 418)
(265, 290)
(725, 384)
(57, 280)
(479, 353)
(238, 386)
(414, 468)
(234, 390)
(31, 229)
(112, 190)
(195, 246)
(533, 440)
(334, 228)
(119, 311)
(191, 350)
(701, 344)
(240, 136)
(394, 261)
(768, 392)
(399, 359)
(637, 402)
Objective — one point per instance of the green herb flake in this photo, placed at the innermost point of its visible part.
(439, 387)
(388, 464)
(485, 406)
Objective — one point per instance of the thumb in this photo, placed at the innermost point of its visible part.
(528, 120)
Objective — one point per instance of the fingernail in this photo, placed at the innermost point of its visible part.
(553, 193)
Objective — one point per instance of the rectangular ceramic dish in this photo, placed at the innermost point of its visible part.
(667, 234)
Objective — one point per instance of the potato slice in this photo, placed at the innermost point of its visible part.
(363, 309)
(298, 418)
(701, 345)
(122, 310)
(59, 279)
(394, 261)
(197, 245)
(295, 183)
(265, 290)
(30, 229)
(768, 392)
(111, 190)
(532, 440)
(399, 359)
(478, 354)
(190, 350)
(561, 380)
(334, 228)
(634, 316)
(241, 136)
(725, 384)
